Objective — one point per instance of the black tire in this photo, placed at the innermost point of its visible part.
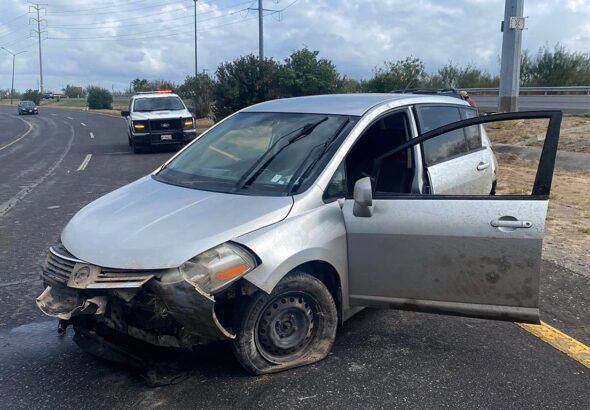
(300, 330)
(134, 147)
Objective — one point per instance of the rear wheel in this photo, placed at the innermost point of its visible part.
(293, 326)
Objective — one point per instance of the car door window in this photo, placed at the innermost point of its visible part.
(391, 173)
(450, 144)
(473, 133)
(336, 188)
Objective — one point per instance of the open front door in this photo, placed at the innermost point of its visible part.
(470, 255)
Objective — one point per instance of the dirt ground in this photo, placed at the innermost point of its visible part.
(567, 231)
(574, 137)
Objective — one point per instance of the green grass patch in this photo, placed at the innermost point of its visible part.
(584, 229)
(64, 103)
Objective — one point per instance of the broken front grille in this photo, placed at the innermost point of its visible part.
(75, 273)
(58, 268)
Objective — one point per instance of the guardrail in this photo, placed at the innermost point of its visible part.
(570, 90)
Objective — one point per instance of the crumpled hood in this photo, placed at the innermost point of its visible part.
(151, 225)
(158, 115)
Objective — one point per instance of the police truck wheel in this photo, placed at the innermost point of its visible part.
(293, 326)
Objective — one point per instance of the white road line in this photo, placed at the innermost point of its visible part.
(91, 135)
(53, 114)
(84, 163)
(27, 189)
(19, 138)
(69, 118)
(83, 124)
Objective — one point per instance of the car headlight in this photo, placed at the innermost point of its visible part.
(188, 123)
(139, 126)
(217, 267)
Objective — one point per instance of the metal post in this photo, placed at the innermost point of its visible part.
(13, 60)
(511, 46)
(40, 57)
(260, 31)
(196, 69)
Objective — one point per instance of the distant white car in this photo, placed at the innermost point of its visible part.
(158, 118)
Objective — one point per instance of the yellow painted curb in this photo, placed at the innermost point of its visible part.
(560, 341)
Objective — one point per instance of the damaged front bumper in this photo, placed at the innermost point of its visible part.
(158, 307)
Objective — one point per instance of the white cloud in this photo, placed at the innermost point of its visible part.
(156, 41)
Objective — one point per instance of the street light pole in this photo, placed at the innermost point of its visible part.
(196, 69)
(13, 58)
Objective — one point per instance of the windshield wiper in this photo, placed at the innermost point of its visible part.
(303, 172)
(275, 149)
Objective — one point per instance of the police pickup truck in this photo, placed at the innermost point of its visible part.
(158, 118)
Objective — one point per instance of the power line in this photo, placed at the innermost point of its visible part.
(58, 11)
(103, 26)
(121, 9)
(115, 38)
(6, 23)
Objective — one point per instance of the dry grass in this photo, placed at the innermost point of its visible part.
(568, 220)
(575, 133)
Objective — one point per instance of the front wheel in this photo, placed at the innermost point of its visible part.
(293, 326)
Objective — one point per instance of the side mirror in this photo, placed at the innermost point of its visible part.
(124, 113)
(363, 198)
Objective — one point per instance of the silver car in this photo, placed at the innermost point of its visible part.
(286, 218)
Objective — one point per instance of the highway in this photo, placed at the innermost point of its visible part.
(571, 104)
(53, 164)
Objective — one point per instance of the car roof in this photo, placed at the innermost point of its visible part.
(347, 104)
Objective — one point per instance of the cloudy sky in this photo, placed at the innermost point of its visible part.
(110, 42)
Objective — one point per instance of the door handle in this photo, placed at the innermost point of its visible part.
(513, 224)
(483, 165)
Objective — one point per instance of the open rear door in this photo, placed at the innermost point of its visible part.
(470, 255)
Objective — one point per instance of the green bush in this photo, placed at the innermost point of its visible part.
(99, 98)
(31, 95)
(245, 81)
(199, 90)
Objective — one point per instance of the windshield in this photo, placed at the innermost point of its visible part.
(262, 153)
(28, 103)
(158, 104)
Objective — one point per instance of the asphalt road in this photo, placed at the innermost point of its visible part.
(382, 359)
(572, 104)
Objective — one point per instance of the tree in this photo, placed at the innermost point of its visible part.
(402, 74)
(451, 76)
(140, 84)
(74, 91)
(199, 90)
(553, 68)
(99, 98)
(245, 81)
(350, 85)
(305, 74)
(32, 95)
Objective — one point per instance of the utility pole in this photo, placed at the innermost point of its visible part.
(261, 11)
(260, 31)
(512, 27)
(196, 67)
(13, 58)
(38, 8)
